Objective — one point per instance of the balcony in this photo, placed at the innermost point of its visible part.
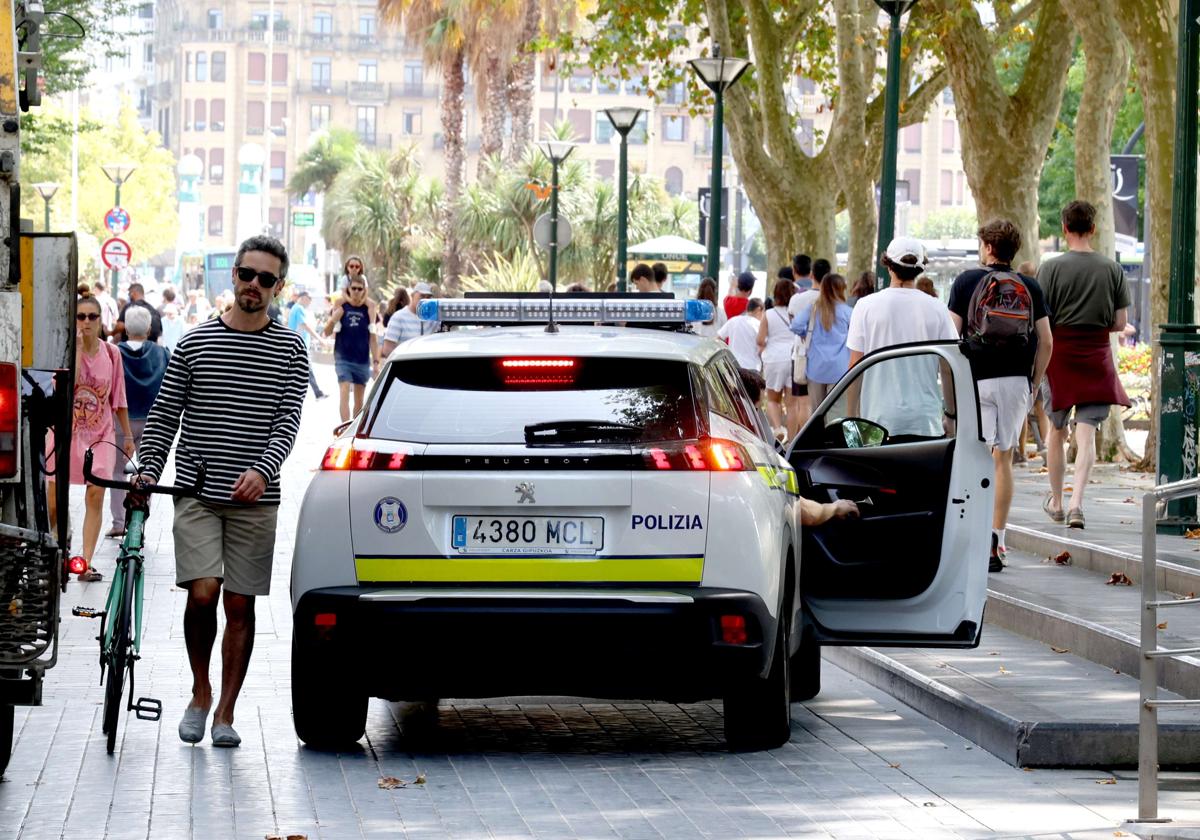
(374, 140)
(255, 130)
(703, 148)
(365, 42)
(320, 87)
(319, 40)
(367, 92)
(414, 90)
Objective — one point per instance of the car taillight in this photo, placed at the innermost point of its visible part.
(733, 630)
(538, 371)
(344, 456)
(10, 415)
(708, 454)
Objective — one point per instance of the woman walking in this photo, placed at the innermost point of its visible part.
(823, 326)
(355, 357)
(99, 396)
(708, 292)
(775, 342)
(864, 286)
(399, 301)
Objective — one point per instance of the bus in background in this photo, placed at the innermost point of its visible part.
(210, 270)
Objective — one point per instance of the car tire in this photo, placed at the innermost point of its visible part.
(328, 710)
(758, 712)
(805, 668)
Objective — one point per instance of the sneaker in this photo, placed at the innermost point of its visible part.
(996, 562)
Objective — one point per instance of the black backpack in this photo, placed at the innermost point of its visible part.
(1000, 313)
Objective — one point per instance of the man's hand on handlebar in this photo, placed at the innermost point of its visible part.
(249, 487)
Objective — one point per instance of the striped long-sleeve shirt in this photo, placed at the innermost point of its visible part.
(235, 400)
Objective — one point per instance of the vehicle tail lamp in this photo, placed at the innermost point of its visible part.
(709, 454)
(538, 371)
(10, 415)
(343, 455)
(325, 624)
(733, 630)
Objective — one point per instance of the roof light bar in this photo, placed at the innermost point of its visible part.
(566, 310)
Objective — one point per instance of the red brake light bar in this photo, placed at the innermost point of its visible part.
(10, 414)
(538, 371)
(344, 456)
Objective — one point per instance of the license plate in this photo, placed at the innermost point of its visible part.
(527, 534)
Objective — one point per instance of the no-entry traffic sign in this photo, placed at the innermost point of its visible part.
(116, 253)
(117, 220)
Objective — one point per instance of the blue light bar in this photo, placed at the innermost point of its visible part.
(567, 310)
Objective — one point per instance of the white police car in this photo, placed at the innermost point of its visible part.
(594, 512)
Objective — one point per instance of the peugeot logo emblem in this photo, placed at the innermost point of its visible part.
(525, 488)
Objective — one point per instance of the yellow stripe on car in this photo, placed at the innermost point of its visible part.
(467, 569)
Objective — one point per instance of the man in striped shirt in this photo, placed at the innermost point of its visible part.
(233, 392)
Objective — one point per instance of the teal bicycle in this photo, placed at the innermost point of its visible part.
(121, 619)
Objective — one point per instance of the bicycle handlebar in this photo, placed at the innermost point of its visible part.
(130, 487)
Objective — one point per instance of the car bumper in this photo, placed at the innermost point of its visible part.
(408, 644)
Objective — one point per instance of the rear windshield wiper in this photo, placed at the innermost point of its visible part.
(562, 431)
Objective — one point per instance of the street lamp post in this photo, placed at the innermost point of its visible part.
(719, 74)
(623, 120)
(46, 189)
(556, 151)
(118, 173)
(891, 129)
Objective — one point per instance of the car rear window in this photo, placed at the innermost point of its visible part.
(493, 400)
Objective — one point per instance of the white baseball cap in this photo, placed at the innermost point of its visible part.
(422, 289)
(905, 250)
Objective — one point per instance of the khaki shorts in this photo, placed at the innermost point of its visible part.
(234, 544)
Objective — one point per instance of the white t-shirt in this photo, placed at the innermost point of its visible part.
(902, 395)
(742, 333)
(799, 300)
(780, 337)
(711, 329)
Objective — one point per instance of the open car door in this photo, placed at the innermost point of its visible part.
(900, 436)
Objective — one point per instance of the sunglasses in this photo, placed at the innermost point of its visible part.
(265, 278)
(87, 316)
(357, 289)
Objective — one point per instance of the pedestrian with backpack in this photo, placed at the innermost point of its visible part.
(1002, 316)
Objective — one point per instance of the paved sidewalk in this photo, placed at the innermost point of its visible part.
(860, 764)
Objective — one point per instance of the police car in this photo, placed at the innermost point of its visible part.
(524, 509)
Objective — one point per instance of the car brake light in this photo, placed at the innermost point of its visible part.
(709, 454)
(733, 630)
(10, 413)
(325, 619)
(538, 371)
(344, 456)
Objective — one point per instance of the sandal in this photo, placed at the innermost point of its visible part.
(1055, 515)
(90, 576)
(1075, 519)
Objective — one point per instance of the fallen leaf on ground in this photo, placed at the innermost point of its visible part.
(994, 653)
(1004, 670)
(420, 780)
(297, 837)
(1043, 470)
(1126, 521)
(1027, 769)
(1119, 579)
(1109, 781)
(893, 766)
(1063, 558)
(1162, 626)
(1193, 534)
(1120, 834)
(1189, 596)
(1059, 650)
(1129, 500)
(391, 783)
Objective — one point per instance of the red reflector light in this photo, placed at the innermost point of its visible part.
(325, 619)
(660, 459)
(77, 565)
(10, 413)
(343, 456)
(726, 456)
(733, 630)
(538, 371)
(695, 457)
(707, 454)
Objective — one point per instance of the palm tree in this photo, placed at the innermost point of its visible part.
(317, 168)
(494, 31)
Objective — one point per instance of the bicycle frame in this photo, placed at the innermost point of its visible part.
(129, 560)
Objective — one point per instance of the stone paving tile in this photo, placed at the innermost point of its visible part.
(859, 765)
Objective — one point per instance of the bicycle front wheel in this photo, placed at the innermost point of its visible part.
(117, 659)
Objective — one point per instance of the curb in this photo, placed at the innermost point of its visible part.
(1166, 830)
(1016, 742)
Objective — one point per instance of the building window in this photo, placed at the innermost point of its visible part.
(913, 176)
(278, 162)
(279, 118)
(216, 220)
(148, 54)
(949, 132)
(322, 74)
(674, 180)
(216, 113)
(365, 123)
(581, 81)
(216, 19)
(187, 66)
(637, 134)
(279, 68)
(216, 166)
(200, 154)
(960, 188)
(948, 96)
(549, 78)
(322, 23)
(218, 66)
(254, 117)
(605, 169)
(636, 85)
(275, 218)
(201, 67)
(187, 115)
(581, 122)
(604, 128)
(412, 121)
(947, 190)
(256, 68)
(676, 94)
(674, 128)
(546, 119)
(414, 78)
(912, 137)
(368, 71)
(608, 85)
(318, 117)
(366, 28)
(201, 119)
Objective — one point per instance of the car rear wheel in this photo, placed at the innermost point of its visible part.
(806, 668)
(329, 711)
(758, 713)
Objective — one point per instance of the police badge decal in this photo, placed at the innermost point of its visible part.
(390, 515)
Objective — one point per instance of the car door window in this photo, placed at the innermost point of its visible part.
(719, 398)
(746, 411)
(901, 399)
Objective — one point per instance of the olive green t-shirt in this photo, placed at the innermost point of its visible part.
(1083, 289)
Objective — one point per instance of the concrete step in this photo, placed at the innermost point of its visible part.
(1054, 680)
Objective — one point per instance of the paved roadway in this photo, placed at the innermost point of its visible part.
(860, 764)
